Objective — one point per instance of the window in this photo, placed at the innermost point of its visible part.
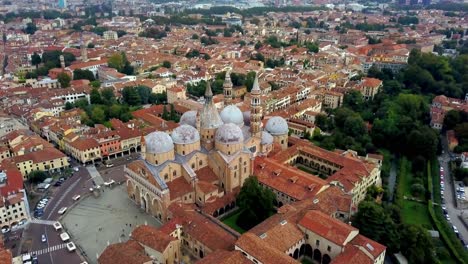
(328, 248)
(317, 243)
(307, 236)
(166, 176)
(200, 163)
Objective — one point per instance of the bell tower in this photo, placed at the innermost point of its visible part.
(227, 88)
(255, 109)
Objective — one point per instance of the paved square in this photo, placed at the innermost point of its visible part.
(109, 218)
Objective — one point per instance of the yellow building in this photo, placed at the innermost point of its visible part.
(13, 209)
(48, 159)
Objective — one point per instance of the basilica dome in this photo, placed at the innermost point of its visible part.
(232, 114)
(185, 134)
(158, 142)
(189, 118)
(229, 134)
(267, 139)
(277, 126)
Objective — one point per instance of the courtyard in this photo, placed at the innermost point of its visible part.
(96, 222)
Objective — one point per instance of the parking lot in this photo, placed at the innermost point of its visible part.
(94, 222)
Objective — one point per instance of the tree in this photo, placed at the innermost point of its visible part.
(95, 96)
(81, 103)
(195, 36)
(116, 61)
(80, 74)
(37, 176)
(64, 80)
(144, 93)
(354, 100)
(131, 96)
(68, 106)
(95, 84)
(107, 96)
(255, 202)
(90, 46)
(30, 28)
(417, 189)
(416, 244)
(36, 59)
(98, 115)
(166, 64)
(157, 98)
(375, 223)
(451, 119)
(165, 114)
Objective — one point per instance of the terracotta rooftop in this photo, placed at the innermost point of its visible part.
(328, 227)
(224, 257)
(262, 251)
(152, 237)
(130, 252)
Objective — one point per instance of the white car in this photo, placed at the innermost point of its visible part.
(76, 168)
(109, 165)
(71, 246)
(5, 230)
(43, 238)
(441, 168)
(62, 210)
(76, 197)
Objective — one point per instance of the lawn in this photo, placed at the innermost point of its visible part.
(231, 219)
(416, 213)
(405, 177)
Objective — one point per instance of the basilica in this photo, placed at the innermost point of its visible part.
(206, 159)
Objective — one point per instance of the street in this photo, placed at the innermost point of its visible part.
(449, 192)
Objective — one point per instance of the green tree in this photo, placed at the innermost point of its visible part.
(354, 100)
(166, 64)
(255, 202)
(30, 28)
(90, 46)
(95, 96)
(68, 106)
(36, 59)
(375, 223)
(165, 114)
(144, 93)
(81, 103)
(80, 74)
(451, 119)
(37, 176)
(131, 96)
(95, 84)
(98, 115)
(416, 244)
(159, 98)
(64, 80)
(116, 61)
(108, 96)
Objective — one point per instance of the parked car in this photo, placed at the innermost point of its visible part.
(76, 168)
(76, 197)
(43, 238)
(109, 165)
(5, 230)
(62, 210)
(447, 217)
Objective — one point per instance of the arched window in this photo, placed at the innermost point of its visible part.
(166, 176)
(193, 165)
(200, 163)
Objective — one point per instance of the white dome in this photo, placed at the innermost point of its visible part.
(185, 134)
(267, 139)
(232, 114)
(277, 126)
(246, 115)
(158, 142)
(229, 134)
(189, 118)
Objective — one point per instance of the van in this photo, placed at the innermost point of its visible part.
(57, 226)
(64, 236)
(71, 246)
(62, 210)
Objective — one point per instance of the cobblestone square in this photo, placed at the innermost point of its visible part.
(97, 221)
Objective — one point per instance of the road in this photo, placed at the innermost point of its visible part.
(449, 192)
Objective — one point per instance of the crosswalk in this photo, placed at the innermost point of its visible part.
(47, 250)
(42, 222)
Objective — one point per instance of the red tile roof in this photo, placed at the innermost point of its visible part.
(130, 252)
(327, 227)
(152, 237)
(262, 251)
(224, 257)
